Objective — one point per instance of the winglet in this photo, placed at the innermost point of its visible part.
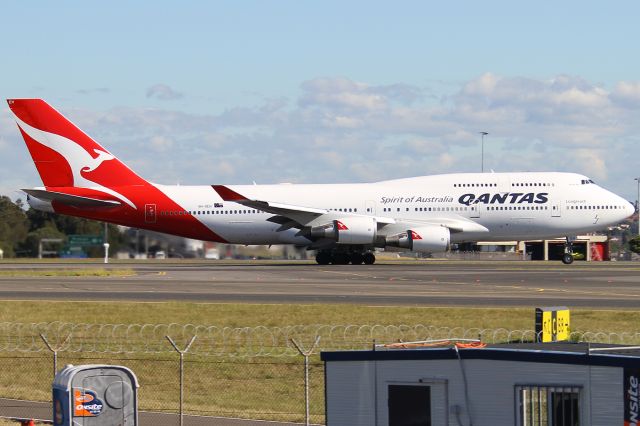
(227, 194)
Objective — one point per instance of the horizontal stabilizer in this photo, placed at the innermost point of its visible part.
(70, 200)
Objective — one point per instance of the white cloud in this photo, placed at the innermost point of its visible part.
(161, 143)
(333, 159)
(446, 160)
(96, 90)
(425, 146)
(163, 92)
(627, 94)
(344, 94)
(225, 168)
(593, 162)
(498, 100)
(485, 85)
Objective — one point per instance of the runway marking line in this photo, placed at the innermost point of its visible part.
(569, 291)
(354, 274)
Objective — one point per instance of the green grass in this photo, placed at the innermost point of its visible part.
(272, 315)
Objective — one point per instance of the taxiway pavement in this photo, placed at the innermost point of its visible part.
(614, 285)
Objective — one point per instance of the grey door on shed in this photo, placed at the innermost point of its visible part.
(409, 405)
(417, 404)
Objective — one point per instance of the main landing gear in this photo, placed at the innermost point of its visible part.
(325, 257)
(567, 257)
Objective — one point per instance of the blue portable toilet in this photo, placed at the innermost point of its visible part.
(95, 395)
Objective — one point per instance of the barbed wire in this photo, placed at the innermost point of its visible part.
(252, 341)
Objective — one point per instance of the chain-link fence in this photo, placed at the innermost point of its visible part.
(256, 388)
(245, 373)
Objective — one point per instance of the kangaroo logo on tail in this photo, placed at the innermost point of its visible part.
(79, 160)
(95, 163)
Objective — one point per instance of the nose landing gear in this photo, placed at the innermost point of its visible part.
(567, 257)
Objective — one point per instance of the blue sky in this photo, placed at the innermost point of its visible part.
(331, 91)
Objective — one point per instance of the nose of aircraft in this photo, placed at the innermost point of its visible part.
(629, 209)
(625, 208)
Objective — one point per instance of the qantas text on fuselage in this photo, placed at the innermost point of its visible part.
(343, 222)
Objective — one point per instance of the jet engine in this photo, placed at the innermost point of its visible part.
(38, 204)
(424, 239)
(348, 230)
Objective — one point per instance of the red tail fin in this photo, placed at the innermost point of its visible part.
(64, 155)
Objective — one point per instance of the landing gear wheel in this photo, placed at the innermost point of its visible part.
(340, 259)
(323, 258)
(567, 258)
(357, 258)
(369, 258)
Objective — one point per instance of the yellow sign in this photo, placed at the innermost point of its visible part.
(552, 324)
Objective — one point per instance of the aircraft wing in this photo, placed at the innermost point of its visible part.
(300, 214)
(456, 224)
(286, 213)
(69, 199)
(292, 216)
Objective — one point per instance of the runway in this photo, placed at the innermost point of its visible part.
(614, 285)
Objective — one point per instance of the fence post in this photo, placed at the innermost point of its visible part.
(306, 354)
(181, 352)
(54, 351)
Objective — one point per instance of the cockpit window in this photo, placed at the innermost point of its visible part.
(586, 181)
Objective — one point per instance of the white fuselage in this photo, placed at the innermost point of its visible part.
(511, 206)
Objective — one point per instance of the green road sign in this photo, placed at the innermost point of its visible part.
(85, 240)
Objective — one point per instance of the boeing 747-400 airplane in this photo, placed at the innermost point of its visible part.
(343, 222)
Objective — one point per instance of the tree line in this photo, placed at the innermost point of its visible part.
(21, 230)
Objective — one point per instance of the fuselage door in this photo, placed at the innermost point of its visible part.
(475, 211)
(150, 213)
(370, 207)
(556, 211)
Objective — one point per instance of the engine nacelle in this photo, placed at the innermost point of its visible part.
(424, 239)
(348, 230)
(38, 204)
